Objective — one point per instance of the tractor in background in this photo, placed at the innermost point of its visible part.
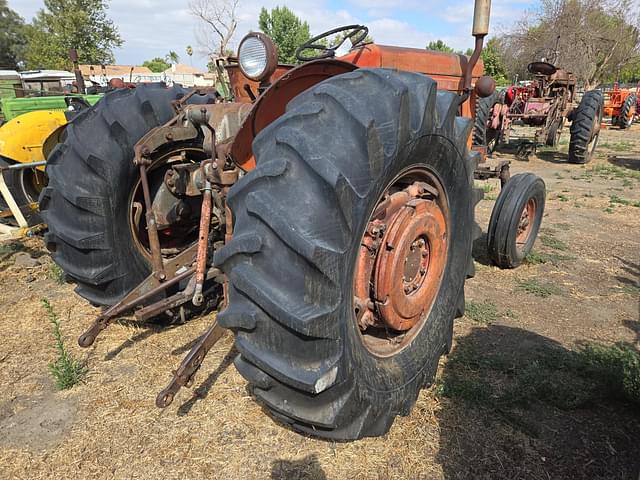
(621, 105)
(545, 102)
(330, 205)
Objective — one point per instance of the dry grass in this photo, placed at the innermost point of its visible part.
(108, 427)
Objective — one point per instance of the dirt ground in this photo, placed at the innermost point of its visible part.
(511, 400)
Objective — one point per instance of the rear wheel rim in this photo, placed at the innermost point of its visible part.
(136, 206)
(401, 262)
(525, 224)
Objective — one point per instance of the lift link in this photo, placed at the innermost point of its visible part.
(183, 376)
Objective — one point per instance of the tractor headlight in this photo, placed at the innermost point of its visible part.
(257, 56)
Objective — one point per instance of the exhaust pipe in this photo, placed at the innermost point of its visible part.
(481, 13)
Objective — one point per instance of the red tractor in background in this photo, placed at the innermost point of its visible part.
(546, 102)
(621, 105)
(332, 203)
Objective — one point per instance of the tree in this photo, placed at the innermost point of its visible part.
(597, 38)
(156, 65)
(494, 62)
(65, 24)
(286, 30)
(439, 46)
(218, 24)
(12, 37)
(172, 57)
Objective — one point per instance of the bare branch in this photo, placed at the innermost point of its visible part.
(218, 24)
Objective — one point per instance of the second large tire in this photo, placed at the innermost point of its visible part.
(299, 218)
(585, 120)
(627, 112)
(91, 178)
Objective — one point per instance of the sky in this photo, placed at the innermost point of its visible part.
(150, 28)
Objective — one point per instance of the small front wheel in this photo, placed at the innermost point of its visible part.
(515, 220)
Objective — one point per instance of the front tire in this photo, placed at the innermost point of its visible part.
(515, 220)
(299, 220)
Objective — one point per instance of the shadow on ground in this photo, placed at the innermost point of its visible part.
(519, 405)
(625, 162)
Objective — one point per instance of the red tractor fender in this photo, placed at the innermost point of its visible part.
(273, 102)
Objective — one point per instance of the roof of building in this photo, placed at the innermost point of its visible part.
(182, 69)
(114, 70)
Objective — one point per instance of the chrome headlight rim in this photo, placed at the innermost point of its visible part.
(270, 56)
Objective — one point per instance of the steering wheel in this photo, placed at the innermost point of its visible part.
(356, 33)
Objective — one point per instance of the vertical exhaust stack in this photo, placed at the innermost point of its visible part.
(481, 14)
(73, 56)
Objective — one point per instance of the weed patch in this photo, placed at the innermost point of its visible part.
(551, 242)
(538, 289)
(66, 370)
(484, 312)
(55, 273)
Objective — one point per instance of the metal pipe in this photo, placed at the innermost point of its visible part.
(152, 228)
(20, 166)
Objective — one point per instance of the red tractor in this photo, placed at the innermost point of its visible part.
(332, 202)
(544, 102)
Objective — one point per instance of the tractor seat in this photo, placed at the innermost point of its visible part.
(541, 68)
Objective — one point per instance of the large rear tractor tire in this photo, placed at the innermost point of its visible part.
(585, 127)
(627, 112)
(515, 220)
(91, 179)
(352, 242)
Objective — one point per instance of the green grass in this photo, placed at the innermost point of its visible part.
(537, 258)
(486, 187)
(565, 379)
(617, 146)
(610, 171)
(608, 210)
(483, 312)
(562, 198)
(617, 367)
(551, 242)
(627, 183)
(534, 287)
(631, 288)
(55, 273)
(490, 197)
(614, 199)
(66, 370)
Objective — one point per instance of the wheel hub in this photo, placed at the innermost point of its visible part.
(526, 222)
(402, 258)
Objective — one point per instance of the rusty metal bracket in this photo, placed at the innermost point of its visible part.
(148, 289)
(185, 373)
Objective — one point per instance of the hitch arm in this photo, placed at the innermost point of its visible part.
(185, 373)
(103, 321)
